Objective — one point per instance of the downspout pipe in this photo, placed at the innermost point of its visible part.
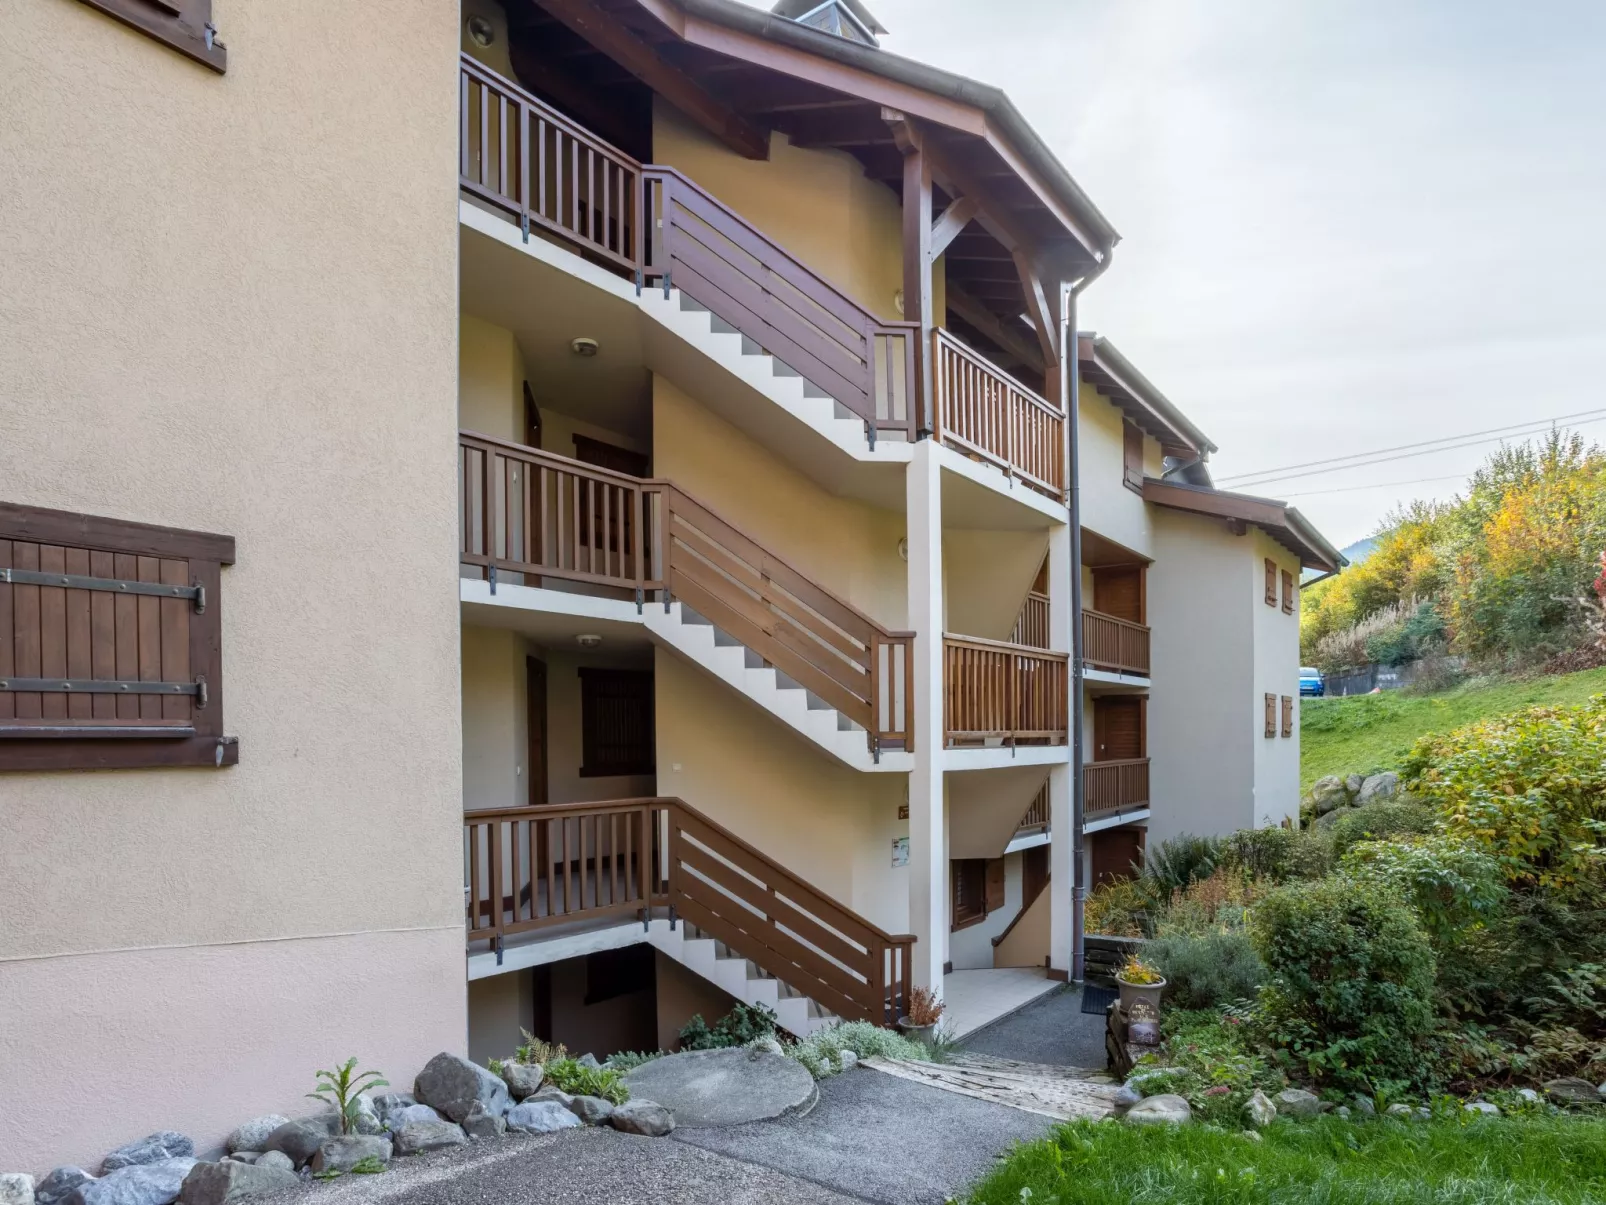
(1074, 502)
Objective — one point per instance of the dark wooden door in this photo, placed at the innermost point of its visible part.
(1114, 851)
(535, 686)
(1118, 591)
(1117, 728)
(597, 529)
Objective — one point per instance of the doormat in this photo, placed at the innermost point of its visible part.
(1097, 1000)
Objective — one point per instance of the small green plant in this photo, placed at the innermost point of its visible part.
(628, 1060)
(368, 1165)
(1139, 973)
(1178, 861)
(577, 1079)
(534, 1050)
(821, 1051)
(743, 1024)
(341, 1088)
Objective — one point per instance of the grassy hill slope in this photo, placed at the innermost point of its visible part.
(1368, 732)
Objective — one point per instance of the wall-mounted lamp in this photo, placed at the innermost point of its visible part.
(588, 640)
(481, 31)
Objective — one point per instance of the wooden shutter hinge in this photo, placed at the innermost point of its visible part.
(195, 593)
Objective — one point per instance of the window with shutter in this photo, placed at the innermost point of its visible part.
(616, 723)
(185, 25)
(969, 888)
(110, 643)
(1132, 456)
(1271, 582)
(1271, 715)
(1288, 593)
(1288, 715)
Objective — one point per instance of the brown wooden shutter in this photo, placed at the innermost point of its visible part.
(1271, 715)
(1132, 455)
(616, 722)
(1288, 715)
(1288, 593)
(110, 643)
(969, 876)
(185, 25)
(1271, 582)
(1118, 590)
(995, 884)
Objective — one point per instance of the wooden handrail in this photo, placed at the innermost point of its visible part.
(998, 690)
(983, 410)
(540, 515)
(1031, 625)
(1116, 784)
(1038, 813)
(1117, 645)
(534, 867)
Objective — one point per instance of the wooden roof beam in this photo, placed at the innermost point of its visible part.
(611, 36)
(984, 320)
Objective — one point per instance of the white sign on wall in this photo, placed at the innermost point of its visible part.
(900, 851)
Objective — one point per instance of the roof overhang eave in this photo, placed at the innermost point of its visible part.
(1277, 519)
(1108, 358)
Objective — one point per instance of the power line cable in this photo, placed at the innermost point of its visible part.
(1491, 431)
(1350, 489)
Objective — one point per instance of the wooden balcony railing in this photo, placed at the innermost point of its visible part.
(531, 513)
(1007, 691)
(1036, 817)
(721, 261)
(988, 413)
(1116, 784)
(1031, 625)
(1116, 645)
(527, 869)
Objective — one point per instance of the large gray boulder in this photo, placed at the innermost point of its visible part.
(400, 1117)
(1328, 793)
(1164, 1109)
(365, 1117)
(1259, 1112)
(275, 1159)
(592, 1110)
(1570, 1090)
(252, 1135)
(230, 1181)
(344, 1153)
(416, 1137)
(480, 1125)
(1296, 1102)
(153, 1148)
(1363, 1104)
(301, 1138)
(1330, 818)
(453, 1086)
(1353, 784)
(540, 1117)
(1482, 1106)
(59, 1184)
(522, 1079)
(16, 1188)
(642, 1117)
(549, 1093)
(1378, 787)
(391, 1102)
(137, 1184)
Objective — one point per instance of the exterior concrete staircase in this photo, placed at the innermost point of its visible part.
(745, 671)
(741, 977)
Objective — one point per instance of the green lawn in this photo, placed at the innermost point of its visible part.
(1482, 1161)
(1370, 732)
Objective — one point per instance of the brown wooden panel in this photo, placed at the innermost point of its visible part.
(8, 636)
(1114, 851)
(1288, 715)
(80, 658)
(1271, 582)
(52, 631)
(1117, 728)
(1118, 591)
(175, 636)
(1288, 593)
(995, 884)
(1271, 715)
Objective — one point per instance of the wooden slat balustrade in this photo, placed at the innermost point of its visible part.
(1036, 817)
(724, 263)
(545, 170)
(1115, 784)
(984, 411)
(1116, 645)
(1031, 626)
(1009, 691)
(535, 867)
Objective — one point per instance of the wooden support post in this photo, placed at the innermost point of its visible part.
(917, 256)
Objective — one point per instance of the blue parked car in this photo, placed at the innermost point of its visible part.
(1310, 682)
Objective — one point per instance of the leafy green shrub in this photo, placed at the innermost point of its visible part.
(1207, 971)
(1377, 822)
(1210, 1063)
(1529, 788)
(341, 1089)
(743, 1024)
(579, 1080)
(534, 1050)
(1178, 861)
(1450, 881)
(1275, 855)
(628, 1060)
(1117, 909)
(820, 1052)
(1350, 992)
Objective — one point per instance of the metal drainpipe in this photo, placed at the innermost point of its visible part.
(1078, 779)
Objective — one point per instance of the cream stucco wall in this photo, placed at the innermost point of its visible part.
(1201, 746)
(986, 576)
(1276, 645)
(490, 382)
(816, 204)
(971, 948)
(1108, 506)
(848, 547)
(500, 1009)
(828, 824)
(1028, 942)
(240, 317)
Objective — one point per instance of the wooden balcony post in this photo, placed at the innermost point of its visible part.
(917, 260)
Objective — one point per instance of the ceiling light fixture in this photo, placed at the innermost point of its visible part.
(584, 347)
(588, 640)
(481, 31)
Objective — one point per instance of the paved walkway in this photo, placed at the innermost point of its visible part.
(978, 998)
(1052, 1030)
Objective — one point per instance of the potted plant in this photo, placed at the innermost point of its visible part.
(1138, 980)
(925, 1010)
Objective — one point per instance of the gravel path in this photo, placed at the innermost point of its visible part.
(881, 1139)
(1052, 1030)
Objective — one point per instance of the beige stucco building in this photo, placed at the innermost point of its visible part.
(754, 674)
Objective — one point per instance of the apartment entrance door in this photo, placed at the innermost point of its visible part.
(1117, 728)
(1118, 591)
(535, 693)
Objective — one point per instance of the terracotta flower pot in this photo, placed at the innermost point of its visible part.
(918, 1033)
(1133, 992)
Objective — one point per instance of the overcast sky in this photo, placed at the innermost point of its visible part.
(1346, 224)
